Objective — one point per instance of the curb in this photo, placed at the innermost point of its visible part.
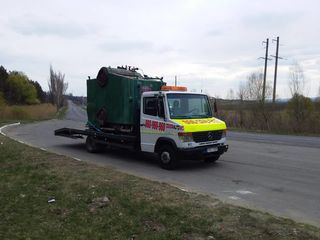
(8, 125)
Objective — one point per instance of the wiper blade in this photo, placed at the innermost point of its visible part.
(199, 116)
(180, 117)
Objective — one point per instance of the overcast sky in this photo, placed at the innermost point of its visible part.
(210, 45)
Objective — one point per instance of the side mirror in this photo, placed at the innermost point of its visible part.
(215, 108)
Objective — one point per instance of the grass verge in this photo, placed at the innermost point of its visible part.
(273, 132)
(247, 130)
(94, 202)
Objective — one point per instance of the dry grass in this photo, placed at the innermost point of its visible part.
(278, 121)
(27, 112)
(273, 118)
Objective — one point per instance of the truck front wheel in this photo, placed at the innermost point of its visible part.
(167, 157)
(92, 146)
(212, 159)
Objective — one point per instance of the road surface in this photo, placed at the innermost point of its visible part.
(274, 173)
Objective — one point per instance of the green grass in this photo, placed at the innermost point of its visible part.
(138, 208)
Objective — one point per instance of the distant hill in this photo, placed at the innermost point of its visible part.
(77, 99)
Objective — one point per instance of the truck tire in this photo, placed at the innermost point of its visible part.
(212, 159)
(92, 146)
(168, 157)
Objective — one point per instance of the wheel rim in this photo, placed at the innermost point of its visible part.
(165, 157)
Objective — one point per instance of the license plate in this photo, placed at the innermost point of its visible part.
(213, 149)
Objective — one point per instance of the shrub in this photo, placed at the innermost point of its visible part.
(299, 109)
(2, 101)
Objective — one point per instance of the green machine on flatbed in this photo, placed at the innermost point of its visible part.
(114, 98)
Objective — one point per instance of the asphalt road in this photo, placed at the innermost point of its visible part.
(274, 173)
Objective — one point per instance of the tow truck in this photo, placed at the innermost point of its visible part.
(129, 110)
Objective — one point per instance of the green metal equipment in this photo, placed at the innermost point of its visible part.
(114, 98)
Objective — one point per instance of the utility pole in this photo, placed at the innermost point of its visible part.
(275, 69)
(175, 80)
(265, 70)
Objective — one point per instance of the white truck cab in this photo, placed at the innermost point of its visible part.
(180, 125)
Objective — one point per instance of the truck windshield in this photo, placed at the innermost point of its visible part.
(182, 106)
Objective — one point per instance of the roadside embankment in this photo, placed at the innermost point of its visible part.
(49, 196)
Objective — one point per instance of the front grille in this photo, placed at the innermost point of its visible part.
(207, 136)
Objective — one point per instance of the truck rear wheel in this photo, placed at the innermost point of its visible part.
(92, 146)
(212, 159)
(168, 158)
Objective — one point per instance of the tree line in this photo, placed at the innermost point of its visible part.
(248, 109)
(16, 88)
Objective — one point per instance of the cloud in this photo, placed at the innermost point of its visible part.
(271, 20)
(44, 27)
(215, 32)
(214, 42)
(121, 45)
(118, 45)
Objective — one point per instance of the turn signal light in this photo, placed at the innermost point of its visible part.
(185, 137)
(224, 133)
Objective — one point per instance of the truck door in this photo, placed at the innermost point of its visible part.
(152, 124)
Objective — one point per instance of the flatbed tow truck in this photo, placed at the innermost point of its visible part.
(132, 111)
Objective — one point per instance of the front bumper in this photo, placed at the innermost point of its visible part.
(203, 151)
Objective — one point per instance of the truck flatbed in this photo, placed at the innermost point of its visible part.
(127, 141)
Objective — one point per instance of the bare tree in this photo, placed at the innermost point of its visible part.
(230, 94)
(57, 87)
(241, 94)
(242, 91)
(299, 107)
(296, 79)
(260, 117)
(255, 87)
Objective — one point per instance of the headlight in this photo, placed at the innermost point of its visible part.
(224, 133)
(185, 137)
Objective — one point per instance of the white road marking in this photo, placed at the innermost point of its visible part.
(77, 159)
(180, 188)
(43, 149)
(234, 197)
(8, 125)
(183, 189)
(244, 192)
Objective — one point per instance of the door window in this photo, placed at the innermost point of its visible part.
(153, 106)
(150, 106)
